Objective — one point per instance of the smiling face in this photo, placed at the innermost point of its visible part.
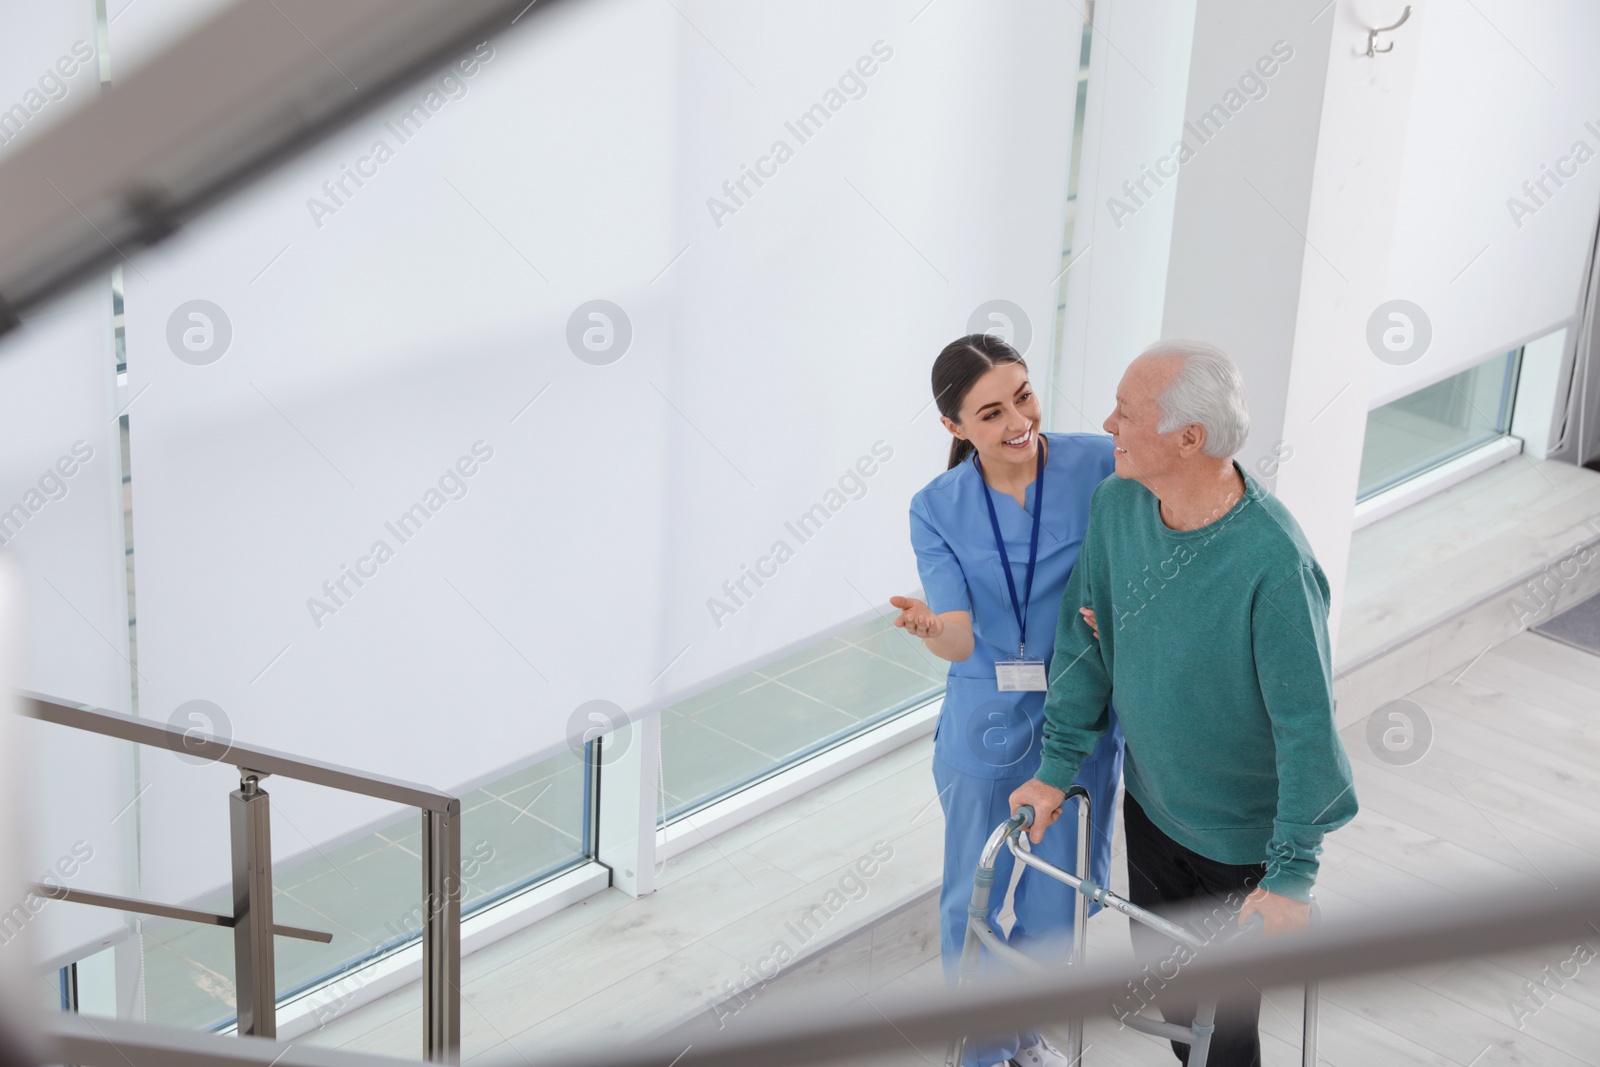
(1001, 417)
(1142, 453)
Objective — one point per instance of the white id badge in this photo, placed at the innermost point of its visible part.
(1020, 675)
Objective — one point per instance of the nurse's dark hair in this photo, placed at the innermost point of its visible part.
(958, 368)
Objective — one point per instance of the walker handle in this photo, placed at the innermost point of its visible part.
(1022, 818)
(1256, 925)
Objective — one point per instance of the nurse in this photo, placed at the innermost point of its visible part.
(996, 536)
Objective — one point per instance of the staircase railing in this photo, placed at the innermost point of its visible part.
(251, 838)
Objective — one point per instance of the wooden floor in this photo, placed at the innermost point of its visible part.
(1429, 562)
(1505, 794)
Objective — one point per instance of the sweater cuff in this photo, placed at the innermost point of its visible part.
(1058, 774)
(1287, 884)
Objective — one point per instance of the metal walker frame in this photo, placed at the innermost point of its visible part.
(980, 934)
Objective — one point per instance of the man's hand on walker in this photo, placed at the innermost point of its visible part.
(1279, 914)
(1046, 802)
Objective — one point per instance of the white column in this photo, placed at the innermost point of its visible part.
(1282, 235)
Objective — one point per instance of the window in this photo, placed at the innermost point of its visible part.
(770, 719)
(1437, 423)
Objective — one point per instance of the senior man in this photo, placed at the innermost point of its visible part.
(1197, 602)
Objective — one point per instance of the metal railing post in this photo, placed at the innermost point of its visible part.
(441, 934)
(255, 978)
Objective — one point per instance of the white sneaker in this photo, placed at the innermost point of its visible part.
(1044, 1054)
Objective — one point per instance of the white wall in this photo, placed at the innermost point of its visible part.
(374, 348)
(1283, 234)
(48, 67)
(140, 29)
(61, 521)
(776, 344)
(1506, 90)
(1350, 240)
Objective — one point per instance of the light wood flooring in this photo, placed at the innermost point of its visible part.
(1506, 794)
(1417, 567)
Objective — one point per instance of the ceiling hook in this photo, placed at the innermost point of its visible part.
(1372, 34)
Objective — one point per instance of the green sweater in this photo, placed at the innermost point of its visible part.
(1214, 648)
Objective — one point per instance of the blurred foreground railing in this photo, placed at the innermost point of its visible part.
(243, 92)
(1492, 921)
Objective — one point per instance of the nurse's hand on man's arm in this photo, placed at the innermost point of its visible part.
(949, 636)
(1046, 801)
(1088, 617)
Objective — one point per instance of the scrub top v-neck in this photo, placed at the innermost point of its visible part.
(982, 730)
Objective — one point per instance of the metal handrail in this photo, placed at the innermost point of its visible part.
(800, 1030)
(264, 761)
(165, 911)
(255, 970)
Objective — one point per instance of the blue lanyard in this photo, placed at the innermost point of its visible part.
(1021, 610)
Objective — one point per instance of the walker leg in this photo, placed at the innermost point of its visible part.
(1205, 1022)
(982, 882)
(1308, 1022)
(1308, 1027)
(1080, 926)
(970, 948)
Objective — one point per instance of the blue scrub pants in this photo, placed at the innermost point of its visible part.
(1043, 907)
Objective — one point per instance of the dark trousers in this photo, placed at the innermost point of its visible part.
(1166, 878)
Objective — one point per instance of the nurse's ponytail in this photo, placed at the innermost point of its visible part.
(957, 369)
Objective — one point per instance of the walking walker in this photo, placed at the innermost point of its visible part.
(980, 934)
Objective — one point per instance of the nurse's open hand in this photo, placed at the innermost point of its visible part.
(916, 617)
(1088, 617)
(1046, 801)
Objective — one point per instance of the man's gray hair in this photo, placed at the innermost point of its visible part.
(1208, 390)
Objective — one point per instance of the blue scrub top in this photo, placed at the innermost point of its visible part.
(981, 730)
